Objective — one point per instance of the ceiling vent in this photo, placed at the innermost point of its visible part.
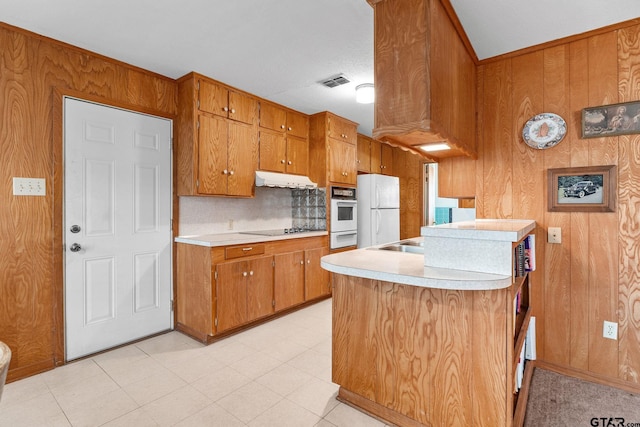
(335, 81)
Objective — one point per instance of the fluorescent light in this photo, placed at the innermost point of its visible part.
(435, 147)
(365, 93)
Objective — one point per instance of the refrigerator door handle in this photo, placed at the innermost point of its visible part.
(377, 196)
(378, 221)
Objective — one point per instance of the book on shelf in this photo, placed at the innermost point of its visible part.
(530, 252)
(530, 340)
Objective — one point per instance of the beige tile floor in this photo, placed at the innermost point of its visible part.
(276, 374)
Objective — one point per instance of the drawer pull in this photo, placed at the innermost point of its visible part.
(247, 249)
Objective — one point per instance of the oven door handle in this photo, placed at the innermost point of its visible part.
(346, 203)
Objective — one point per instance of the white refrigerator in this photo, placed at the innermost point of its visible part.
(378, 209)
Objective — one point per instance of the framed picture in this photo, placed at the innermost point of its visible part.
(584, 189)
(611, 120)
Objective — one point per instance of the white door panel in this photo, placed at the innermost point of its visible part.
(117, 189)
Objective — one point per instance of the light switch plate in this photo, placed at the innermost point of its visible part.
(554, 235)
(29, 186)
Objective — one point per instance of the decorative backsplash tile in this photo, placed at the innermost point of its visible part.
(309, 209)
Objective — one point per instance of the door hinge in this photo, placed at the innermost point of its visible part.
(198, 104)
(215, 322)
(173, 305)
(273, 303)
(198, 124)
(171, 224)
(215, 275)
(273, 263)
(171, 144)
(197, 183)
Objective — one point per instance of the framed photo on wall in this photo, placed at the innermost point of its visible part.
(611, 120)
(583, 189)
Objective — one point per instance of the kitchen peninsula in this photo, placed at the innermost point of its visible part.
(434, 339)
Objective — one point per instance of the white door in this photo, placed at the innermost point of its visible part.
(117, 220)
(386, 226)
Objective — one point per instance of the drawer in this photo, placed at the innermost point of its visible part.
(244, 250)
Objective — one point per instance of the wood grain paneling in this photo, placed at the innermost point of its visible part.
(32, 70)
(629, 213)
(592, 276)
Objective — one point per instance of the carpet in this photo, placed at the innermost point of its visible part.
(558, 400)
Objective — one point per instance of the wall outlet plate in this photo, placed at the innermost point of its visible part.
(29, 186)
(554, 235)
(610, 330)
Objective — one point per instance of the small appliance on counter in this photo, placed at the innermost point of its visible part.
(378, 209)
(344, 217)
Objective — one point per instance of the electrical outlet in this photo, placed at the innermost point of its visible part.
(29, 186)
(230, 225)
(554, 235)
(610, 330)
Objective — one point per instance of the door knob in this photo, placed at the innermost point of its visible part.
(75, 228)
(75, 247)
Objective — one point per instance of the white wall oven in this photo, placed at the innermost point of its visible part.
(344, 217)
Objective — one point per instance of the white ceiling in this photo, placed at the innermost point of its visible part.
(281, 49)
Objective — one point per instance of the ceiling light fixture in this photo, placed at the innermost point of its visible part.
(365, 93)
(435, 147)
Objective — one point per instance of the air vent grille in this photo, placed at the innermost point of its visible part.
(335, 81)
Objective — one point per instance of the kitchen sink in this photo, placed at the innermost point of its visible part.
(411, 246)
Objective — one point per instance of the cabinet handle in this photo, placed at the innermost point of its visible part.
(233, 110)
(244, 274)
(225, 109)
(289, 162)
(301, 262)
(225, 171)
(251, 273)
(308, 261)
(289, 128)
(281, 126)
(247, 249)
(282, 161)
(230, 172)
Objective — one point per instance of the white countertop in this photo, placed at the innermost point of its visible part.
(509, 230)
(408, 269)
(226, 239)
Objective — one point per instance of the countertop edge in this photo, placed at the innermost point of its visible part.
(228, 239)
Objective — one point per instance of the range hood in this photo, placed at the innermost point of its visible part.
(283, 180)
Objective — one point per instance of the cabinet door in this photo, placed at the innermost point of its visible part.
(317, 281)
(376, 156)
(260, 287)
(289, 279)
(212, 155)
(231, 294)
(363, 160)
(342, 130)
(342, 162)
(297, 124)
(213, 98)
(386, 159)
(297, 156)
(272, 117)
(273, 147)
(242, 159)
(243, 108)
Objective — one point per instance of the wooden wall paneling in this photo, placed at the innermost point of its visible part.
(408, 168)
(553, 273)
(497, 137)
(629, 217)
(341, 320)
(603, 227)
(33, 71)
(579, 221)
(479, 164)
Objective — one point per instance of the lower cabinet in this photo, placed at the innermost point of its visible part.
(220, 289)
(244, 291)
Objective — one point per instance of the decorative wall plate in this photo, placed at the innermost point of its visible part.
(544, 130)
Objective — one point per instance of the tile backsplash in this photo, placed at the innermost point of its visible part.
(271, 208)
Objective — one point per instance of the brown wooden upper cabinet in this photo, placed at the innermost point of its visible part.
(220, 100)
(217, 139)
(425, 79)
(284, 140)
(374, 156)
(332, 149)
